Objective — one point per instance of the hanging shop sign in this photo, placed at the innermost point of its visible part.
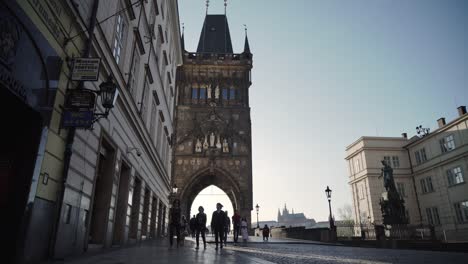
(78, 119)
(86, 69)
(80, 100)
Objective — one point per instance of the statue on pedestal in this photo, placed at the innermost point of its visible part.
(391, 203)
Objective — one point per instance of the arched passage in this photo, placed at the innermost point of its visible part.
(205, 178)
(208, 198)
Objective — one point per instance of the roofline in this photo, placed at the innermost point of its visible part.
(374, 138)
(457, 120)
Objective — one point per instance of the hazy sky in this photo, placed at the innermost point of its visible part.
(329, 71)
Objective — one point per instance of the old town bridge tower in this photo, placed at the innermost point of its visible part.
(213, 144)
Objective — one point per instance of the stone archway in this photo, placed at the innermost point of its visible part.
(205, 178)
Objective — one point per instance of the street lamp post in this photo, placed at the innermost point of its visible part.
(328, 192)
(257, 208)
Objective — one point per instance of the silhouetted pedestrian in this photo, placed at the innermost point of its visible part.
(193, 225)
(227, 227)
(218, 220)
(174, 222)
(200, 226)
(236, 224)
(266, 233)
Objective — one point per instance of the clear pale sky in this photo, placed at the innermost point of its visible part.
(329, 71)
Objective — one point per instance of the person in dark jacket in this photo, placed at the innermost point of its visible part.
(174, 222)
(266, 233)
(218, 221)
(227, 227)
(200, 226)
(193, 225)
(236, 224)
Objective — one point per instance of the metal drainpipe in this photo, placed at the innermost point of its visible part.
(414, 186)
(70, 138)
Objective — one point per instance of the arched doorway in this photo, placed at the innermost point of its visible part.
(201, 180)
(208, 198)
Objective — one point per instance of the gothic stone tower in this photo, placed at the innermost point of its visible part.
(213, 127)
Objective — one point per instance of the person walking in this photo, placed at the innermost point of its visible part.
(266, 233)
(218, 220)
(244, 231)
(200, 226)
(193, 225)
(174, 222)
(236, 224)
(183, 230)
(227, 227)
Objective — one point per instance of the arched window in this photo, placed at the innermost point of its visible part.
(194, 93)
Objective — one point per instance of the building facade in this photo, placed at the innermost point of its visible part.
(115, 188)
(213, 126)
(430, 172)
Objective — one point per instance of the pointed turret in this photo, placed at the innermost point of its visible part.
(246, 44)
(182, 41)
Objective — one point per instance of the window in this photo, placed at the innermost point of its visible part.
(153, 120)
(194, 93)
(169, 77)
(426, 185)
(423, 185)
(430, 220)
(432, 215)
(160, 32)
(455, 176)
(67, 214)
(133, 82)
(430, 187)
(118, 39)
(447, 144)
(396, 161)
(143, 107)
(420, 156)
(362, 192)
(357, 165)
(387, 160)
(401, 189)
(461, 210)
(165, 58)
(232, 94)
(155, 5)
(423, 154)
(202, 93)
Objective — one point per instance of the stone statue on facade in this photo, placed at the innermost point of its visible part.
(225, 146)
(205, 144)
(209, 90)
(218, 143)
(217, 92)
(198, 146)
(212, 139)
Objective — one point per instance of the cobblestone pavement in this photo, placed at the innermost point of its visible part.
(257, 252)
(310, 253)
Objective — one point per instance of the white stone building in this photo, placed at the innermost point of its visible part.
(430, 173)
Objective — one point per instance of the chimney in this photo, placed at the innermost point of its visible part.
(441, 122)
(461, 110)
(404, 135)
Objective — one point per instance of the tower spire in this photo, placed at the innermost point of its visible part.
(246, 43)
(207, 5)
(182, 40)
(225, 6)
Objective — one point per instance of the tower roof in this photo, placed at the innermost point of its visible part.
(246, 44)
(215, 36)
